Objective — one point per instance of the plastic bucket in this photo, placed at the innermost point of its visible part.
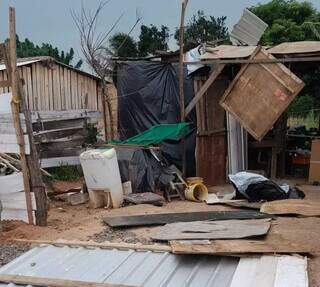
(196, 192)
(194, 180)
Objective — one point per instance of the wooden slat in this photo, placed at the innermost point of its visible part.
(214, 75)
(29, 88)
(59, 161)
(50, 90)
(51, 282)
(62, 88)
(56, 88)
(46, 88)
(4, 83)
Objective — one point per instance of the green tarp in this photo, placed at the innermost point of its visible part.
(157, 134)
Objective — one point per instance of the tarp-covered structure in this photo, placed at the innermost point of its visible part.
(148, 95)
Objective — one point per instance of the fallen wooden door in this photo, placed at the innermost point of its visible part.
(260, 93)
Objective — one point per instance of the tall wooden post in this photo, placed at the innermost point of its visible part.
(181, 80)
(10, 56)
(30, 163)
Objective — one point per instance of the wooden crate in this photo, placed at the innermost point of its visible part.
(260, 93)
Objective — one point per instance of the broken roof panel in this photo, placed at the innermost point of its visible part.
(302, 47)
(227, 52)
(248, 30)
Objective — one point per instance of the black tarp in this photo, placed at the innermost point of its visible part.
(148, 94)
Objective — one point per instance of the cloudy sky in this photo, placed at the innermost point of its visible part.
(50, 20)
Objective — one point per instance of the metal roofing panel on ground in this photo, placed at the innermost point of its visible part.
(147, 268)
(128, 267)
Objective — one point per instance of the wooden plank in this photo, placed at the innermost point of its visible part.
(58, 124)
(303, 207)
(16, 200)
(9, 144)
(51, 282)
(56, 88)
(35, 87)
(17, 104)
(8, 128)
(286, 235)
(274, 97)
(46, 89)
(214, 75)
(47, 136)
(68, 89)
(62, 88)
(105, 245)
(62, 115)
(59, 161)
(223, 229)
(164, 218)
(29, 88)
(11, 183)
(23, 71)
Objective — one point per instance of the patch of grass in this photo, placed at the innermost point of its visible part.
(66, 173)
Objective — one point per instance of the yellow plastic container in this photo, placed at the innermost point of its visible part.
(194, 180)
(196, 192)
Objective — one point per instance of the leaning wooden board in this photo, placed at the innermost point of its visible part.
(286, 235)
(164, 218)
(260, 93)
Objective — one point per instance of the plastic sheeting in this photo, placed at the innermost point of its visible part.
(148, 95)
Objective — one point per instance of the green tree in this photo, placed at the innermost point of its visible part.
(286, 20)
(27, 48)
(152, 39)
(202, 28)
(123, 45)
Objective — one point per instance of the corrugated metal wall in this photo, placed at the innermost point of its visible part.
(50, 86)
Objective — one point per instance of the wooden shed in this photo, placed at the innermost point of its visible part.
(51, 85)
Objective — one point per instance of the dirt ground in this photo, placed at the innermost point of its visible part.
(80, 223)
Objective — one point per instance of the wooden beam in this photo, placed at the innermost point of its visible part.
(214, 75)
(106, 245)
(181, 81)
(51, 282)
(11, 64)
(255, 61)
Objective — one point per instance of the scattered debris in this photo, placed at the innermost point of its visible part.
(223, 229)
(78, 198)
(145, 198)
(164, 218)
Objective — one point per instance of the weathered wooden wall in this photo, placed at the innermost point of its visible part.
(50, 86)
(211, 150)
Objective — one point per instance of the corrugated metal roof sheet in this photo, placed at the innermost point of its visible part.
(129, 267)
(149, 268)
(302, 47)
(31, 60)
(248, 30)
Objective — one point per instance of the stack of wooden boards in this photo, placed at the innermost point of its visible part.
(59, 135)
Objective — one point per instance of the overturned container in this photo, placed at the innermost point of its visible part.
(101, 172)
(196, 190)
